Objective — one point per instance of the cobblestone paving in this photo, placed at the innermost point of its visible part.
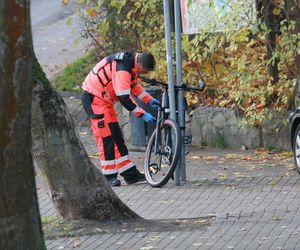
(255, 203)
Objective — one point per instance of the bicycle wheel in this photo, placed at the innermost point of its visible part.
(160, 166)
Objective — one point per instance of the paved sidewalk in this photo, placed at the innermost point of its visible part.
(255, 201)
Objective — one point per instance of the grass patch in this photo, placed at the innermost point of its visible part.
(71, 78)
(48, 219)
(219, 142)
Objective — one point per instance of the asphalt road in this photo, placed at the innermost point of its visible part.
(57, 34)
(45, 12)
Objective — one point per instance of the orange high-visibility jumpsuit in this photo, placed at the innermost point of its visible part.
(111, 81)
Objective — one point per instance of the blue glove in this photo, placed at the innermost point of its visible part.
(148, 117)
(154, 103)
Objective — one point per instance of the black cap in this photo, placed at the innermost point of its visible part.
(147, 61)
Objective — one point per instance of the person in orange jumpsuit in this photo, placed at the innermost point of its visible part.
(114, 79)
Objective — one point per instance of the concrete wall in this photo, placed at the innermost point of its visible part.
(209, 126)
(221, 125)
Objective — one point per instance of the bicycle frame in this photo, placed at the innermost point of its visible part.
(157, 133)
(162, 114)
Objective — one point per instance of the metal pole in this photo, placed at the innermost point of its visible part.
(180, 96)
(170, 66)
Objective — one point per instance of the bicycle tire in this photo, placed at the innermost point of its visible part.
(155, 176)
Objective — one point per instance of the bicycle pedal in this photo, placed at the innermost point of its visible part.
(187, 139)
(153, 168)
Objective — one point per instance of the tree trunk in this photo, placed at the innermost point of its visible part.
(20, 225)
(78, 188)
(293, 14)
(272, 25)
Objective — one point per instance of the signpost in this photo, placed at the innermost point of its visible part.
(169, 58)
(208, 15)
(181, 168)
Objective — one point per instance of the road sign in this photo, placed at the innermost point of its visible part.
(211, 15)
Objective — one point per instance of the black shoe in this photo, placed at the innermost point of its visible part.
(114, 182)
(132, 175)
(138, 177)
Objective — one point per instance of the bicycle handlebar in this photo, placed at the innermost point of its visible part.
(154, 82)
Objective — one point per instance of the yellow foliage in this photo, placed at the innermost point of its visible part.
(242, 36)
(276, 11)
(92, 12)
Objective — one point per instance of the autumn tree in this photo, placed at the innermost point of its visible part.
(293, 15)
(20, 226)
(273, 27)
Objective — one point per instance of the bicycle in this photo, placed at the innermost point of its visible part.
(164, 145)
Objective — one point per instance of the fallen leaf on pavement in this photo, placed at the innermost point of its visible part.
(166, 202)
(200, 221)
(238, 174)
(156, 237)
(209, 158)
(147, 248)
(197, 244)
(223, 176)
(248, 158)
(273, 182)
(196, 184)
(287, 154)
(231, 156)
(94, 156)
(77, 242)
